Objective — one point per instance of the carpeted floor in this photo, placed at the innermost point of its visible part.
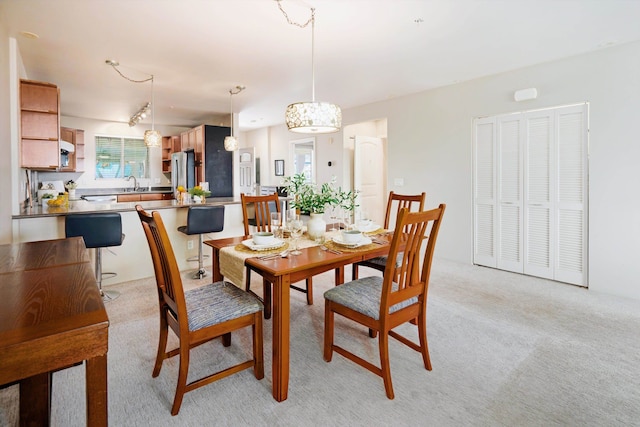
(506, 350)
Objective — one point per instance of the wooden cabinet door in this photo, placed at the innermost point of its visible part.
(151, 196)
(39, 125)
(37, 96)
(128, 197)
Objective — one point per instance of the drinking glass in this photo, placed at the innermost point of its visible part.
(333, 214)
(346, 219)
(295, 228)
(276, 223)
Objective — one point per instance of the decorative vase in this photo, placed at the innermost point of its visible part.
(316, 227)
(72, 193)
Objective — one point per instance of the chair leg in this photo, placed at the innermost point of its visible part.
(226, 339)
(106, 295)
(310, 291)
(181, 387)
(162, 343)
(201, 271)
(328, 331)
(354, 271)
(258, 351)
(384, 363)
(424, 346)
(266, 297)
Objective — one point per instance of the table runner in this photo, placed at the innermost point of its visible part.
(232, 258)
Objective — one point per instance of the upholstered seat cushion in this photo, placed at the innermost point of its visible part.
(382, 261)
(218, 302)
(363, 295)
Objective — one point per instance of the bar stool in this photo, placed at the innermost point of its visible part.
(201, 220)
(99, 230)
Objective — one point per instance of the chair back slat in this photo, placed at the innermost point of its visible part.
(412, 202)
(262, 206)
(407, 280)
(168, 280)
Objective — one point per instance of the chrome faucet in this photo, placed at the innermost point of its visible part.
(135, 182)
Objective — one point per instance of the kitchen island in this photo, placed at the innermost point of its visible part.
(132, 260)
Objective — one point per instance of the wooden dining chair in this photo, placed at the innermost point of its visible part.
(384, 303)
(263, 206)
(198, 315)
(395, 202)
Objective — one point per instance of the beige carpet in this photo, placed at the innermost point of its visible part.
(506, 350)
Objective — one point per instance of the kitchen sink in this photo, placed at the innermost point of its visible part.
(100, 199)
(131, 190)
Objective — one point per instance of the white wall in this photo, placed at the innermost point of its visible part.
(7, 188)
(430, 137)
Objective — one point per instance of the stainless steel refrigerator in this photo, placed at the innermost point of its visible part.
(183, 169)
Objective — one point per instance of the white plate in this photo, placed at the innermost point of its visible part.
(364, 241)
(368, 228)
(276, 244)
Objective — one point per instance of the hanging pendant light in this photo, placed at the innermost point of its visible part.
(152, 138)
(312, 117)
(231, 142)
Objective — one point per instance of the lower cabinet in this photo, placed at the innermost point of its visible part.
(144, 197)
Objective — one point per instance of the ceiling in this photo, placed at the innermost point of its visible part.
(365, 50)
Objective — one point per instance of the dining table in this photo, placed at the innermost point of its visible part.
(52, 318)
(315, 258)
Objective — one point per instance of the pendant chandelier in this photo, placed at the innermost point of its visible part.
(312, 117)
(231, 142)
(152, 138)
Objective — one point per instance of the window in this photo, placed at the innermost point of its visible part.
(119, 157)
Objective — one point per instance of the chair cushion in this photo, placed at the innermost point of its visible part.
(218, 302)
(363, 295)
(381, 261)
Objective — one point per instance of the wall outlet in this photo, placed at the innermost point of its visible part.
(398, 182)
(157, 180)
(189, 245)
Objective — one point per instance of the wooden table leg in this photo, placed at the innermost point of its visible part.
(215, 265)
(339, 276)
(96, 378)
(280, 350)
(35, 400)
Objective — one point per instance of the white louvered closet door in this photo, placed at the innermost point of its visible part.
(535, 163)
(509, 136)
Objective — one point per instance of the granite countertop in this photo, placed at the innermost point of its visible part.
(83, 206)
(121, 190)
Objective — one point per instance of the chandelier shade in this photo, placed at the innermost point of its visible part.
(152, 138)
(230, 143)
(313, 117)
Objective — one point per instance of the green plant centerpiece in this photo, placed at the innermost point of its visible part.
(306, 196)
(199, 195)
(309, 198)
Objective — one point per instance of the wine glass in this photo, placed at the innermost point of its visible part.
(295, 228)
(346, 219)
(276, 222)
(333, 214)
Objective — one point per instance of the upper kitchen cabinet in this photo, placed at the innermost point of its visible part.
(74, 161)
(194, 139)
(39, 125)
(213, 163)
(170, 145)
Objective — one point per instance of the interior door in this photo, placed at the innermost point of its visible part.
(247, 170)
(370, 177)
